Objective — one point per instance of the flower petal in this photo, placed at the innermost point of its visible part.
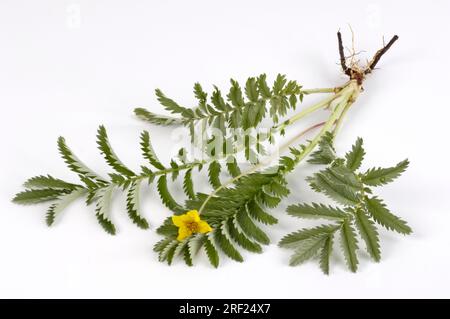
(183, 232)
(203, 227)
(193, 215)
(178, 220)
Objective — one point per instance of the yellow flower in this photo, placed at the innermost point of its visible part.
(190, 223)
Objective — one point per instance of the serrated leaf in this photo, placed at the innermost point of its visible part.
(211, 251)
(217, 100)
(133, 206)
(62, 202)
(213, 174)
(369, 234)
(325, 153)
(171, 106)
(232, 167)
(223, 241)
(200, 95)
(157, 119)
(257, 213)
(349, 245)
(279, 83)
(263, 87)
(316, 211)
(188, 185)
(195, 243)
(250, 229)
(355, 157)
(167, 251)
(187, 257)
(75, 164)
(109, 154)
(306, 250)
(377, 209)
(40, 182)
(251, 90)
(342, 175)
(148, 152)
(292, 240)
(159, 246)
(35, 196)
(168, 229)
(166, 197)
(235, 95)
(381, 176)
(239, 237)
(325, 254)
(341, 193)
(102, 209)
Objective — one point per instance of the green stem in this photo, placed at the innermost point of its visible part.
(321, 90)
(312, 109)
(338, 111)
(256, 167)
(342, 105)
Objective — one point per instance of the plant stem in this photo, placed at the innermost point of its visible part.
(258, 166)
(343, 105)
(311, 109)
(321, 90)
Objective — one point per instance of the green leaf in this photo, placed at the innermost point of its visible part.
(377, 209)
(171, 106)
(217, 100)
(349, 245)
(200, 95)
(355, 157)
(213, 174)
(325, 254)
(292, 240)
(133, 206)
(168, 229)
(187, 257)
(223, 241)
(279, 84)
(251, 90)
(167, 250)
(188, 185)
(35, 196)
(211, 251)
(102, 209)
(41, 182)
(368, 233)
(316, 211)
(341, 193)
(195, 243)
(263, 87)
(148, 152)
(239, 237)
(326, 153)
(62, 202)
(250, 229)
(235, 95)
(382, 176)
(255, 210)
(166, 197)
(307, 250)
(74, 164)
(342, 175)
(163, 243)
(109, 154)
(232, 167)
(157, 119)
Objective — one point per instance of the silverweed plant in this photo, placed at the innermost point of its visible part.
(228, 219)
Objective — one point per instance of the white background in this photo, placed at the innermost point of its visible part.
(67, 66)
